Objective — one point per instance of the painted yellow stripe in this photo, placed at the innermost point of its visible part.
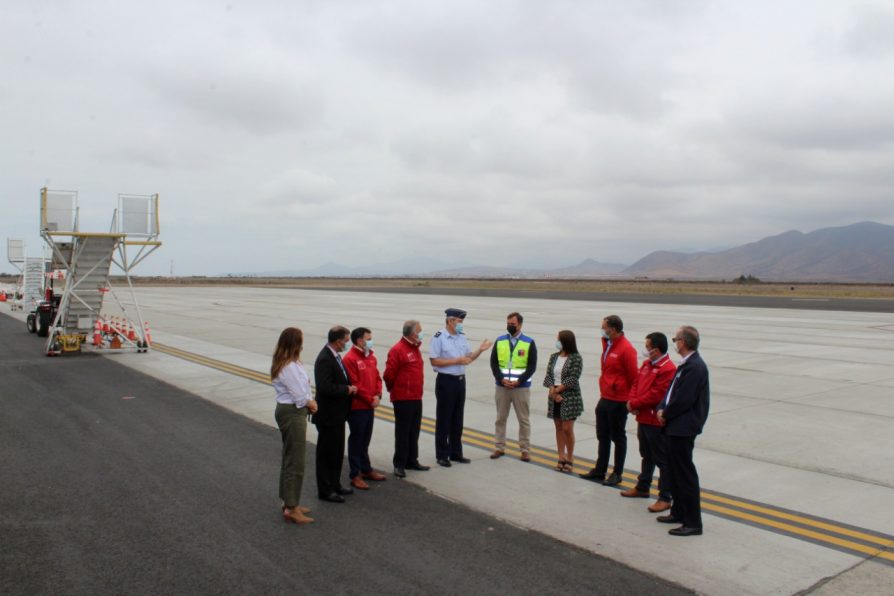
(818, 536)
(212, 363)
(829, 527)
(711, 502)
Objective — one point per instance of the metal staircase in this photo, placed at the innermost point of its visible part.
(30, 284)
(85, 259)
(87, 282)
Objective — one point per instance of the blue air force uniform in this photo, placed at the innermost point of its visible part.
(450, 390)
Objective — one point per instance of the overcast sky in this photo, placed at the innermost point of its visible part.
(285, 134)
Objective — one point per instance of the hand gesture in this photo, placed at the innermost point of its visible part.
(486, 344)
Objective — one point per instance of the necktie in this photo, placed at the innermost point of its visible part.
(341, 364)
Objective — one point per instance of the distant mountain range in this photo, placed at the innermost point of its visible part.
(586, 268)
(431, 268)
(861, 252)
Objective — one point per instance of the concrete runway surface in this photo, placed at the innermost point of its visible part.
(115, 482)
(793, 461)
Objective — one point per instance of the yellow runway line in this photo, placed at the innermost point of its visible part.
(763, 516)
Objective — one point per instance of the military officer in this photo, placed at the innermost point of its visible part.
(450, 353)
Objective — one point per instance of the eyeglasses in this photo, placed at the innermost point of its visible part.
(678, 339)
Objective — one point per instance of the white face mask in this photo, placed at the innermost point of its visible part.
(646, 354)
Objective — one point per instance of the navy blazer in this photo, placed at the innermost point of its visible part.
(333, 399)
(686, 410)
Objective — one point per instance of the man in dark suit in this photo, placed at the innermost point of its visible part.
(334, 391)
(683, 414)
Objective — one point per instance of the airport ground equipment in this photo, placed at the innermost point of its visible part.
(87, 258)
(41, 318)
(30, 285)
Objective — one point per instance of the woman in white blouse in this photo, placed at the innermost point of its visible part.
(293, 402)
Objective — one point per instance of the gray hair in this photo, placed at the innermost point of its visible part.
(410, 327)
(690, 336)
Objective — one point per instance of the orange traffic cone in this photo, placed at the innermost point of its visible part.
(147, 336)
(131, 332)
(97, 333)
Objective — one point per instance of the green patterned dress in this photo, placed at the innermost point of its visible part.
(573, 402)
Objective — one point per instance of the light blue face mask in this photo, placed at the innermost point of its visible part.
(459, 327)
(604, 333)
(420, 335)
(558, 345)
(369, 345)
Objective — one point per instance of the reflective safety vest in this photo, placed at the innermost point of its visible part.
(513, 363)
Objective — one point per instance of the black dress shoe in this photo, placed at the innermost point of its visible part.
(461, 460)
(400, 473)
(417, 466)
(684, 531)
(592, 475)
(345, 491)
(444, 462)
(668, 519)
(612, 480)
(333, 498)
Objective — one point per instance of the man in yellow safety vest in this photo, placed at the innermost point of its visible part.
(513, 361)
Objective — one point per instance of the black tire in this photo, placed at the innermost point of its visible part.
(31, 322)
(43, 327)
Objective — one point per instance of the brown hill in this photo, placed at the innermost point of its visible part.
(861, 252)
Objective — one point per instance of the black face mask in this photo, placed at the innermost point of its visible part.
(512, 329)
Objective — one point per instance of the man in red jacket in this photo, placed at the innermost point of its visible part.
(649, 389)
(619, 370)
(360, 362)
(404, 377)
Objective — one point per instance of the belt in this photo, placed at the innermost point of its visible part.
(458, 377)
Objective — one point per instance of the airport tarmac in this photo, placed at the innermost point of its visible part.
(158, 491)
(794, 460)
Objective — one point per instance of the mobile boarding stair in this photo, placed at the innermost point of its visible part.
(30, 284)
(87, 259)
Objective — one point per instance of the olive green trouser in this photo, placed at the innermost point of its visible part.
(292, 422)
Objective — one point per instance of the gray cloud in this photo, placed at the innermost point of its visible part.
(285, 135)
(872, 33)
(261, 94)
